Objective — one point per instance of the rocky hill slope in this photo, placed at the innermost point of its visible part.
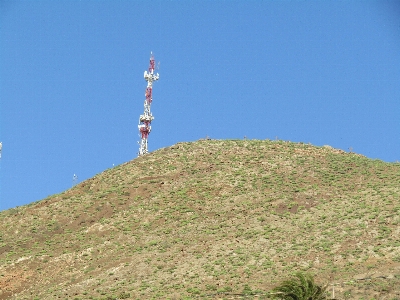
(211, 219)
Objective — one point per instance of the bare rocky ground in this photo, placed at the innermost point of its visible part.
(212, 219)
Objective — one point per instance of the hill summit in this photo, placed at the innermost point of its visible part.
(211, 219)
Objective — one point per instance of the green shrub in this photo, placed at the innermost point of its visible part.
(300, 287)
(124, 295)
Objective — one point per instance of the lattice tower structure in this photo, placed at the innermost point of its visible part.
(145, 119)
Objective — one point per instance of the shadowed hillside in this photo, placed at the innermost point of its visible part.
(211, 219)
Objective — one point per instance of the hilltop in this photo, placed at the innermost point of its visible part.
(208, 219)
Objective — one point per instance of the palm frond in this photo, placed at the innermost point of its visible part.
(300, 287)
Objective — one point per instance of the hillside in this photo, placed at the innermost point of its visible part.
(211, 217)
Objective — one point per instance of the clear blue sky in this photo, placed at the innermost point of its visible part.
(72, 87)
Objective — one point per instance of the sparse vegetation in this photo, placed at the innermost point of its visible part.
(211, 218)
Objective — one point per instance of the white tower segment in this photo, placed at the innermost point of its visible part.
(145, 119)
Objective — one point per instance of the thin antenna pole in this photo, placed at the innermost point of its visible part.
(145, 119)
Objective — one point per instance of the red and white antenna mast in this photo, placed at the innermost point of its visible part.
(145, 119)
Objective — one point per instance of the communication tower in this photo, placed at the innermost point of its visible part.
(145, 119)
(1, 146)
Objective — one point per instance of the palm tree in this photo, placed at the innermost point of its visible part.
(300, 287)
